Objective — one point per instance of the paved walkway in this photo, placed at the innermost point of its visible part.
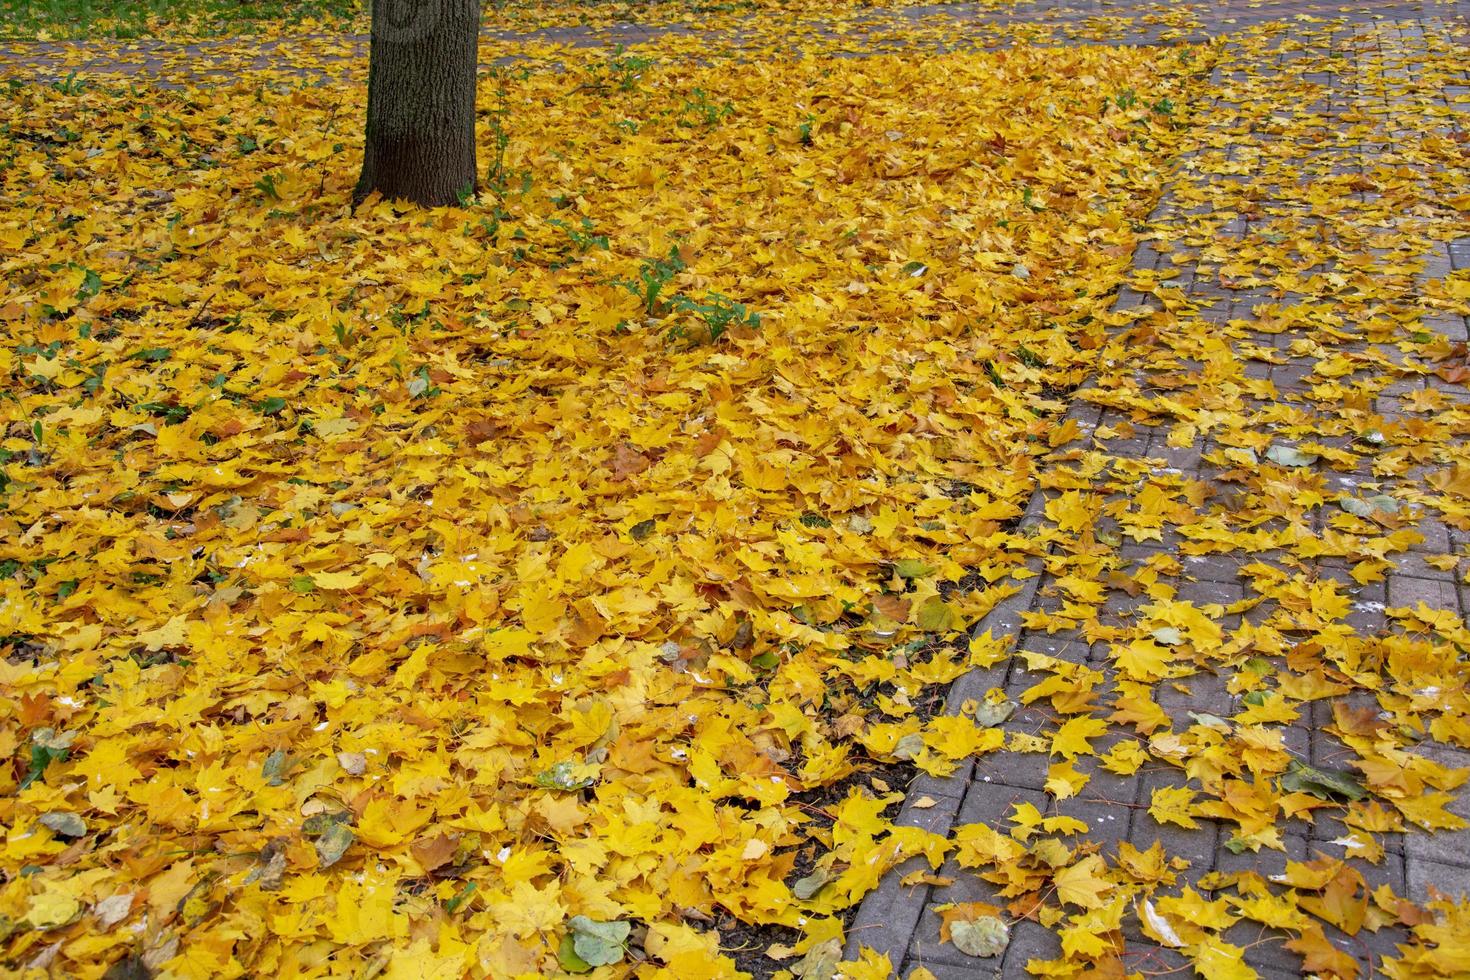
(1222, 562)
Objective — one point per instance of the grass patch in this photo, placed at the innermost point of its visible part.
(44, 19)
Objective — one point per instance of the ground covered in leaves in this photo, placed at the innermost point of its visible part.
(402, 580)
(48, 20)
(506, 588)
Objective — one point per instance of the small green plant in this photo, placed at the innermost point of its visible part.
(621, 71)
(497, 177)
(421, 385)
(700, 111)
(654, 276)
(47, 746)
(346, 336)
(1126, 99)
(804, 131)
(71, 85)
(718, 312)
(584, 239)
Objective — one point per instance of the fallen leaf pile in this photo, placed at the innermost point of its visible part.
(546, 584)
(493, 588)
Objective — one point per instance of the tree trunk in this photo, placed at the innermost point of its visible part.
(421, 101)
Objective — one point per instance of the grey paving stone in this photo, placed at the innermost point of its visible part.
(1203, 694)
(1436, 536)
(1265, 862)
(948, 786)
(1265, 948)
(1210, 592)
(1413, 564)
(993, 805)
(975, 685)
(974, 970)
(1108, 822)
(1143, 957)
(1214, 568)
(1199, 847)
(886, 919)
(1011, 770)
(1444, 846)
(1029, 941)
(1370, 948)
(937, 819)
(926, 946)
(1447, 879)
(1070, 646)
(1102, 784)
(1406, 591)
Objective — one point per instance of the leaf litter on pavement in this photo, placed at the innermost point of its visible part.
(486, 591)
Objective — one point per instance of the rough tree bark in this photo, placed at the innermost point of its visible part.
(421, 101)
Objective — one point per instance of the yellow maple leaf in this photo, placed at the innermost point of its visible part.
(1071, 740)
(1083, 884)
(1172, 804)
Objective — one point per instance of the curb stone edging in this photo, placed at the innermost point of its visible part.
(888, 917)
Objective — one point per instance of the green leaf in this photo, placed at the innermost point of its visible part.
(333, 843)
(913, 568)
(320, 823)
(562, 776)
(992, 713)
(91, 285)
(805, 888)
(64, 824)
(598, 943)
(47, 746)
(303, 584)
(909, 746)
(272, 405)
(1322, 783)
(153, 354)
(277, 764)
(1287, 456)
(983, 937)
(452, 906)
(935, 614)
(820, 962)
(1380, 504)
(567, 954)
